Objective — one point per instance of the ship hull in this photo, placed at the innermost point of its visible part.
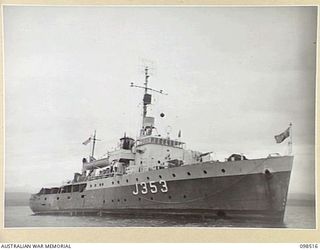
(249, 189)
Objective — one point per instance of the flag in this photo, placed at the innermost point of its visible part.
(87, 141)
(284, 135)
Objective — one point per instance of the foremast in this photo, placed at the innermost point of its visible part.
(147, 121)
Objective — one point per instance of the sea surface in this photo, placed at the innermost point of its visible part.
(297, 216)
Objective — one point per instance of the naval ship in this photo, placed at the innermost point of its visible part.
(158, 175)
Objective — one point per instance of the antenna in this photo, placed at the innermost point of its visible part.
(151, 64)
(146, 88)
(147, 96)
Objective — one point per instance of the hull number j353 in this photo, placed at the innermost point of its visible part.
(152, 187)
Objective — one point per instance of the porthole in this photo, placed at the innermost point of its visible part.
(127, 180)
(159, 162)
(112, 182)
(268, 173)
(204, 171)
(189, 173)
(151, 198)
(95, 185)
(169, 197)
(118, 200)
(174, 175)
(112, 200)
(160, 176)
(148, 178)
(223, 170)
(90, 185)
(125, 200)
(82, 196)
(58, 198)
(137, 179)
(118, 182)
(45, 198)
(139, 199)
(69, 197)
(184, 196)
(104, 201)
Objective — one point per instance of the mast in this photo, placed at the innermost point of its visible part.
(147, 122)
(145, 103)
(93, 140)
(93, 144)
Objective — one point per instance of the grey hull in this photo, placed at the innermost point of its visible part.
(255, 189)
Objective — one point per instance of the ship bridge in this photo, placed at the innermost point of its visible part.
(159, 141)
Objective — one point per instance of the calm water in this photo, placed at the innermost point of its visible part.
(21, 216)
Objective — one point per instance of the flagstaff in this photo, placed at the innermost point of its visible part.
(290, 140)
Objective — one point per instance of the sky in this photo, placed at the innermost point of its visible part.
(235, 77)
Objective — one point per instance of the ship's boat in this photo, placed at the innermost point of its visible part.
(156, 174)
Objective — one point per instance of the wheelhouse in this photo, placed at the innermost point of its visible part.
(160, 141)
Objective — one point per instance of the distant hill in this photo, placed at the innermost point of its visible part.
(17, 199)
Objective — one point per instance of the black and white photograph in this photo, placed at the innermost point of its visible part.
(159, 116)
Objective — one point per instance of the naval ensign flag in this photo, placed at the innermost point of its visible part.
(284, 135)
(87, 141)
